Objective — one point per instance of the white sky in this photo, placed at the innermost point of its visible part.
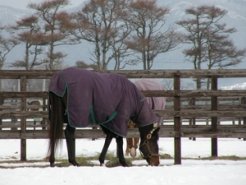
(22, 4)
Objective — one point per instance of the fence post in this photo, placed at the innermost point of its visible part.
(23, 88)
(214, 120)
(192, 121)
(1, 103)
(243, 103)
(177, 120)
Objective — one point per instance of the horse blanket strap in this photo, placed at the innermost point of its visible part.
(113, 97)
(93, 119)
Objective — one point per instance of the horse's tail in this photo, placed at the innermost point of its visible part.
(56, 113)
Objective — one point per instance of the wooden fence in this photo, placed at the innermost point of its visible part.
(22, 120)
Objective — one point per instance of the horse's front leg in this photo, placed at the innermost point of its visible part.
(70, 140)
(107, 142)
(120, 152)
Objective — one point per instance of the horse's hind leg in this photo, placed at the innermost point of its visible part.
(120, 152)
(52, 157)
(70, 140)
(107, 142)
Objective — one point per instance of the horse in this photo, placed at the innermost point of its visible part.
(155, 103)
(82, 98)
(131, 143)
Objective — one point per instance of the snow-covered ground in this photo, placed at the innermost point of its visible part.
(191, 172)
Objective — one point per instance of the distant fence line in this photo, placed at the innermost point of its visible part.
(22, 120)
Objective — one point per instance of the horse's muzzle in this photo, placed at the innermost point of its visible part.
(154, 160)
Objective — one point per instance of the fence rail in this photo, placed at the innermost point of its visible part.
(185, 109)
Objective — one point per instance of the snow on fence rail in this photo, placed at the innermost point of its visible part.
(22, 120)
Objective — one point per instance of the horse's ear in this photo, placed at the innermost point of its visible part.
(157, 129)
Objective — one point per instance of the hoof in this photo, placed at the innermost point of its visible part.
(52, 164)
(74, 163)
(124, 164)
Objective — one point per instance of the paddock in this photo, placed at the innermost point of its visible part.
(190, 113)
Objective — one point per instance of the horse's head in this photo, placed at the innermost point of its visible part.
(149, 144)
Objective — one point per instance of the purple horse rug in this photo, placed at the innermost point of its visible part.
(109, 100)
(155, 103)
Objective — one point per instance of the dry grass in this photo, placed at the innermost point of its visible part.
(110, 161)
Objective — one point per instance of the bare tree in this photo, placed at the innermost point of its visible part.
(57, 26)
(6, 45)
(150, 38)
(28, 33)
(209, 39)
(82, 64)
(102, 23)
(195, 27)
(221, 51)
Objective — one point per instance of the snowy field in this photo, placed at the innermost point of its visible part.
(191, 172)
